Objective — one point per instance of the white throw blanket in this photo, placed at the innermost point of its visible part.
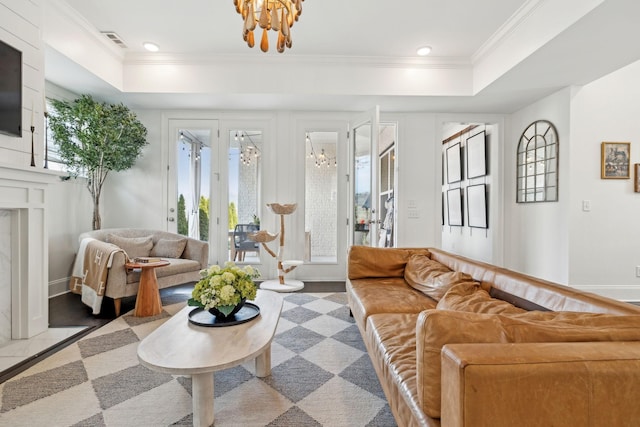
(90, 270)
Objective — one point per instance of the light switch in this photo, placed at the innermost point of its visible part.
(586, 205)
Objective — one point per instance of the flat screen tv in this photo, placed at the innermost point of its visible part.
(10, 90)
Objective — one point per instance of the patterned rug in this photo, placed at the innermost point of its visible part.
(321, 376)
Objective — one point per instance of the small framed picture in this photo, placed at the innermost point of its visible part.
(454, 206)
(636, 178)
(615, 160)
(477, 206)
(476, 155)
(454, 167)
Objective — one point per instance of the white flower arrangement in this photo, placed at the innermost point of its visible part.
(224, 288)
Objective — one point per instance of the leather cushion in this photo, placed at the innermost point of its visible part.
(133, 246)
(436, 328)
(388, 295)
(169, 248)
(365, 261)
(430, 277)
(469, 296)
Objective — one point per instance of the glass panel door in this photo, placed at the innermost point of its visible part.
(245, 154)
(191, 203)
(321, 197)
(193, 172)
(365, 193)
(387, 168)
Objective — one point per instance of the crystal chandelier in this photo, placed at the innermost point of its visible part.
(277, 15)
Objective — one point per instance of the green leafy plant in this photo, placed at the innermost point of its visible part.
(96, 138)
(224, 288)
(233, 216)
(183, 224)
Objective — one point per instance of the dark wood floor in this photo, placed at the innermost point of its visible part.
(68, 310)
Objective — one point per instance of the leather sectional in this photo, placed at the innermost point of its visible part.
(457, 342)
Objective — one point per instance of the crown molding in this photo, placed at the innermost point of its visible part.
(360, 61)
(506, 29)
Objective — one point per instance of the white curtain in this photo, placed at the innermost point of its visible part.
(194, 184)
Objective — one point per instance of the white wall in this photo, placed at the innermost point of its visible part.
(20, 25)
(481, 244)
(69, 202)
(418, 179)
(476, 243)
(536, 235)
(134, 197)
(603, 243)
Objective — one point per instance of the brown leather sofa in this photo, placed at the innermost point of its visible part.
(494, 349)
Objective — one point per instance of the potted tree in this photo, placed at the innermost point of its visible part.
(96, 138)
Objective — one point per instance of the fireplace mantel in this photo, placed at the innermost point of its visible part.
(24, 194)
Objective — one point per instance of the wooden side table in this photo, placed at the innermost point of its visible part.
(148, 300)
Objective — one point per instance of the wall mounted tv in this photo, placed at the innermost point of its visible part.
(10, 90)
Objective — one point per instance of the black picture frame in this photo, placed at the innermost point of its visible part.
(477, 206)
(454, 207)
(476, 150)
(454, 163)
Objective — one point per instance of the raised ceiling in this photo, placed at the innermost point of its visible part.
(489, 56)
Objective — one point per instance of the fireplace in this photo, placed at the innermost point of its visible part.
(23, 252)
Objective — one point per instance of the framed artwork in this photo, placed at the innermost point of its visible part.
(454, 206)
(477, 206)
(615, 160)
(636, 178)
(476, 155)
(454, 164)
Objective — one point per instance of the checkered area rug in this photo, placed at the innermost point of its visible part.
(321, 376)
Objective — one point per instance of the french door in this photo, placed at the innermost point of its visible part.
(364, 217)
(193, 193)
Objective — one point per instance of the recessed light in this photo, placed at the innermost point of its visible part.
(151, 47)
(424, 50)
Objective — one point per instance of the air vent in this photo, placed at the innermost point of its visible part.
(115, 38)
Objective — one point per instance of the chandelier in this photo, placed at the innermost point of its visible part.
(277, 15)
(321, 159)
(247, 151)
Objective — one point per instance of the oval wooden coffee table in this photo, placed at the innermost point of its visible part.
(179, 347)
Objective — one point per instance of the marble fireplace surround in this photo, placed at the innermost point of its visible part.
(24, 251)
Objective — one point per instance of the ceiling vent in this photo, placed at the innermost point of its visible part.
(115, 38)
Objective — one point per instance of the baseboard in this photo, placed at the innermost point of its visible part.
(628, 293)
(58, 287)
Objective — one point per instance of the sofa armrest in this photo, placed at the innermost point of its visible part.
(117, 277)
(559, 384)
(197, 250)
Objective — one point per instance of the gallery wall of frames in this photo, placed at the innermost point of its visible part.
(465, 168)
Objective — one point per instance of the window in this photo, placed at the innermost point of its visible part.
(537, 164)
(52, 158)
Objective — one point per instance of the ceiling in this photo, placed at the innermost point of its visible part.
(459, 31)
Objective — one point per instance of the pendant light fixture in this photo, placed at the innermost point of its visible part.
(277, 15)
